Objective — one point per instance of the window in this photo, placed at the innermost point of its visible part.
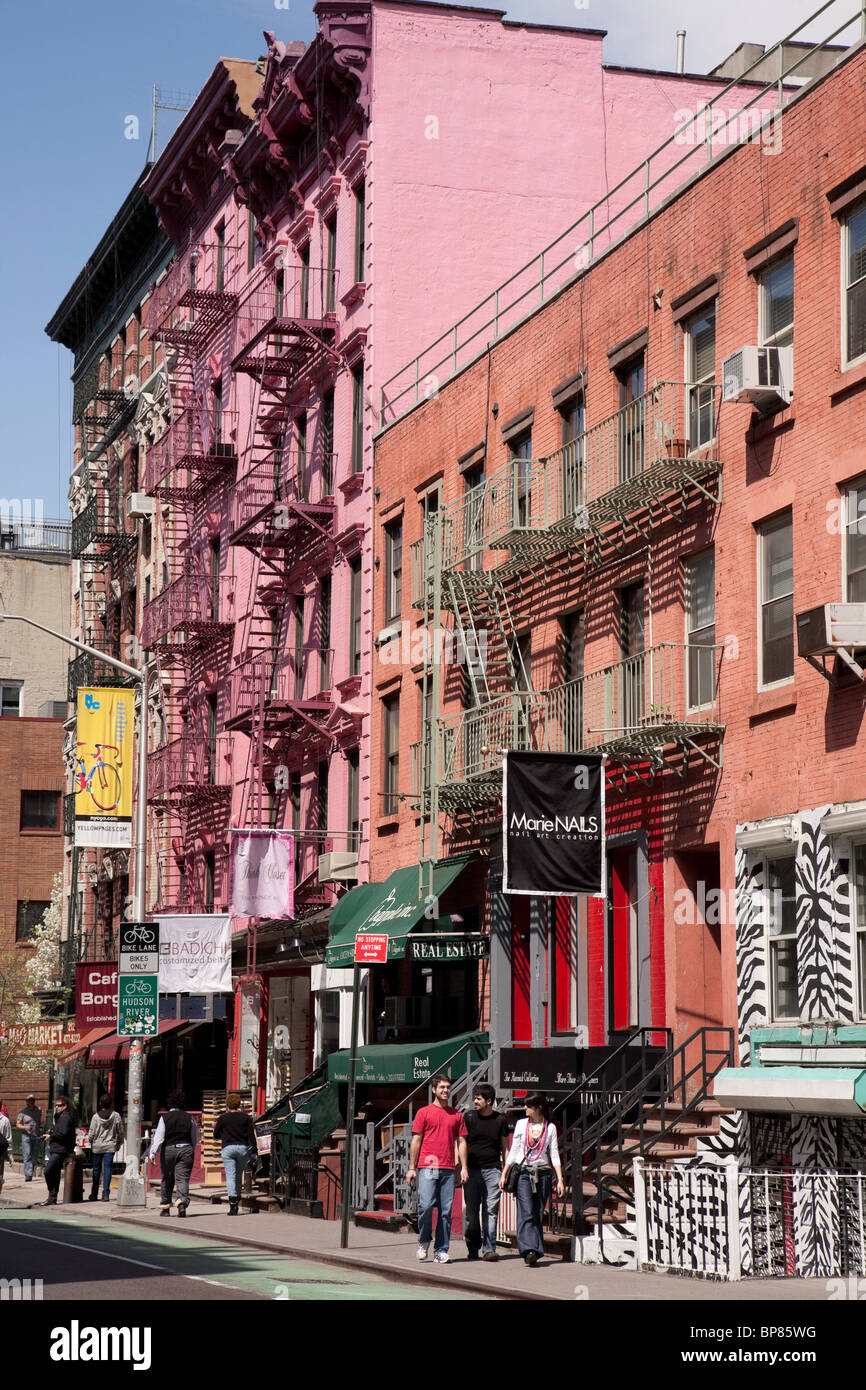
(776, 600)
(220, 231)
(860, 924)
(322, 795)
(854, 285)
(700, 352)
(331, 263)
(40, 811)
(304, 258)
(355, 616)
(328, 443)
(301, 470)
(630, 693)
(573, 629)
(573, 420)
(521, 660)
(215, 580)
(391, 712)
(630, 423)
(28, 917)
(209, 880)
(299, 647)
(212, 739)
(251, 241)
(358, 419)
(855, 542)
(393, 570)
(700, 594)
(353, 796)
(521, 448)
(776, 305)
(10, 699)
(295, 803)
(325, 632)
(473, 484)
(360, 231)
(781, 920)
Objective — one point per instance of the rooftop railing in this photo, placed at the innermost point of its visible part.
(743, 109)
(36, 536)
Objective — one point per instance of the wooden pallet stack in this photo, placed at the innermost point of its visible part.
(212, 1105)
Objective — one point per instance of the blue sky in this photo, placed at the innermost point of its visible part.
(75, 71)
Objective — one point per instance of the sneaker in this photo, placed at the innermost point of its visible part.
(490, 1255)
(531, 1258)
(165, 1211)
(442, 1257)
(181, 1209)
(421, 1253)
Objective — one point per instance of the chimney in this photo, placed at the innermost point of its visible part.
(681, 50)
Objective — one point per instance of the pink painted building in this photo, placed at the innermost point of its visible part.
(335, 208)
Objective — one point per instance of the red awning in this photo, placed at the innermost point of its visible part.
(84, 1042)
(112, 1048)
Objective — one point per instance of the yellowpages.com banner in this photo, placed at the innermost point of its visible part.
(103, 768)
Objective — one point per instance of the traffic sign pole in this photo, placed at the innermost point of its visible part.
(350, 1117)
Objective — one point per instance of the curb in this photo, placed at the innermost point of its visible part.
(393, 1276)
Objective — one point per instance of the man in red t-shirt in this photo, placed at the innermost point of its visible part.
(437, 1128)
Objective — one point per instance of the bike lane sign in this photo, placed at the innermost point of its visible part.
(138, 980)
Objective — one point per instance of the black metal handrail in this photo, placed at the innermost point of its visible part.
(666, 1085)
(644, 1034)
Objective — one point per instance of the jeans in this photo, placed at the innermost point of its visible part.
(234, 1158)
(102, 1165)
(176, 1168)
(530, 1209)
(435, 1189)
(29, 1153)
(481, 1206)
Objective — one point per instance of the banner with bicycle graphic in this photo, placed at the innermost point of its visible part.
(104, 768)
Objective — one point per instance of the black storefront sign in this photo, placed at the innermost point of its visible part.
(553, 824)
(590, 1071)
(438, 949)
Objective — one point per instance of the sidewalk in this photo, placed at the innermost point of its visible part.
(393, 1256)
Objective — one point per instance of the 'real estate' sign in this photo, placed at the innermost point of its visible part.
(444, 948)
(553, 824)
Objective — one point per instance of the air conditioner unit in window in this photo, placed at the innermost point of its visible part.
(760, 376)
(138, 504)
(340, 866)
(833, 629)
(411, 1012)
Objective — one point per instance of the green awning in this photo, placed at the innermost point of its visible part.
(408, 1064)
(391, 908)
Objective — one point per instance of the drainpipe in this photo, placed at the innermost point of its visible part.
(681, 50)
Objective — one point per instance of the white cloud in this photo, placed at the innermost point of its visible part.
(643, 32)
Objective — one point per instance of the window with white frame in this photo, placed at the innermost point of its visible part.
(860, 924)
(776, 304)
(776, 600)
(854, 286)
(700, 363)
(780, 917)
(700, 595)
(855, 542)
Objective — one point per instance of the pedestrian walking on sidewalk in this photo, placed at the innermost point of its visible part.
(61, 1142)
(486, 1150)
(535, 1148)
(177, 1131)
(234, 1127)
(105, 1136)
(29, 1121)
(436, 1130)
(5, 1143)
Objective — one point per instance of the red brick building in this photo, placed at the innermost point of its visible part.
(633, 524)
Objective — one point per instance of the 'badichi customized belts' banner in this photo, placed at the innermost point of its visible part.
(104, 768)
(553, 824)
(263, 875)
(195, 955)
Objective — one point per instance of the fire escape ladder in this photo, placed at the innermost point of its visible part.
(460, 604)
(519, 677)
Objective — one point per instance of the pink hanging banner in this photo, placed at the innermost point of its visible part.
(263, 875)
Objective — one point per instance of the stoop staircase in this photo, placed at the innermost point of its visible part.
(664, 1114)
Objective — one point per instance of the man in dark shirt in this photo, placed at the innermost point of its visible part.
(487, 1146)
(61, 1142)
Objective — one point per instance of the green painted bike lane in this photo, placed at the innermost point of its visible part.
(273, 1276)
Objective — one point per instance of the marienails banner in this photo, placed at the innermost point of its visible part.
(103, 768)
(553, 824)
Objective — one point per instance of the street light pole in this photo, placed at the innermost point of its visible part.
(131, 1188)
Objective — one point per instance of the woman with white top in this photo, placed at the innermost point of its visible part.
(534, 1146)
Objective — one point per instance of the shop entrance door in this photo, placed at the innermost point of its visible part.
(288, 1034)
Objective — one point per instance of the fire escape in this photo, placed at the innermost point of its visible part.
(187, 624)
(582, 505)
(282, 513)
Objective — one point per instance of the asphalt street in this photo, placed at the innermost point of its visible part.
(81, 1263)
